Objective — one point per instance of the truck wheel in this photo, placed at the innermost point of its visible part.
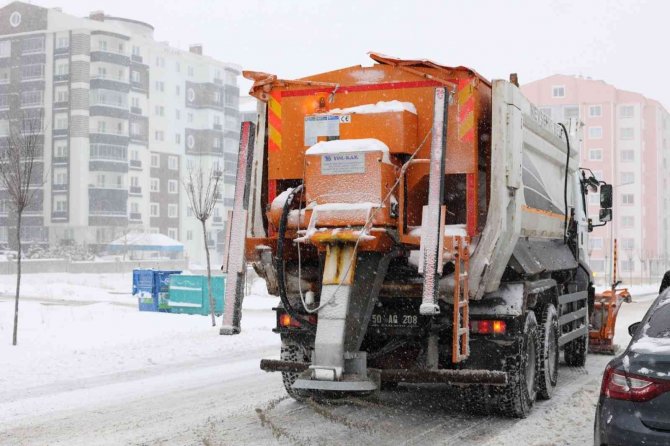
(293, 353)
(518, 396)
(547, 374)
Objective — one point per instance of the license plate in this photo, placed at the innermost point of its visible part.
(392, 320)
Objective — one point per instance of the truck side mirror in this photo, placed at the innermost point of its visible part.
(606, 196)
(632, 328)
(605, 215)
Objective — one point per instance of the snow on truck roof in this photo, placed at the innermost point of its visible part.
(350, 146)
(379, 107)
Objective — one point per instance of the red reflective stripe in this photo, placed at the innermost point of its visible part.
(274, 121)
(369, 87)
(467, 108)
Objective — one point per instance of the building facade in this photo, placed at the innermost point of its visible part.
(626, 142)
(125, 118)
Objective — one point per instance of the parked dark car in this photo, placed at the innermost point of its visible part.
(634, 404)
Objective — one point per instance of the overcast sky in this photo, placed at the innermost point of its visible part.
(621, 42)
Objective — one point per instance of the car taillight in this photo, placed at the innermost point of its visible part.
(488, 326)
(620, 385)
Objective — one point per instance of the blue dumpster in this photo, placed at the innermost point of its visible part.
(151, 288)
(189, 294)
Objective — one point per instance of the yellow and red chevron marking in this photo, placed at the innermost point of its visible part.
(274, 122)
(466, 110)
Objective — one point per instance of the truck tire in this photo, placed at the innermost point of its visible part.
(293, 353)
(547, 373)
(516, 399)
(575, 351)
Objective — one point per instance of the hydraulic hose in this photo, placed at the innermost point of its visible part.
(565, 184)
(279, 261)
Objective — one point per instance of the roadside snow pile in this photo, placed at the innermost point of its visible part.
(379, 107)
(71, 340)
(71, 287)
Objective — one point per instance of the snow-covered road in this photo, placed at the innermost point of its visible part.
(156, 379)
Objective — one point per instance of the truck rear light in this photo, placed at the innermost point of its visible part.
(488, 326)
(285, 320)
(620, 385)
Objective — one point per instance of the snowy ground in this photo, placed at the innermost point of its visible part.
(90, 369)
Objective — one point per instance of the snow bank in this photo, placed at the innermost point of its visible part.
(350, 145)
(379, 107)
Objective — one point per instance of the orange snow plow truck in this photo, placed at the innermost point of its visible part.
(420, 224)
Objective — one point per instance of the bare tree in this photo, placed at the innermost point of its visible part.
(202, 190)
(22, 177)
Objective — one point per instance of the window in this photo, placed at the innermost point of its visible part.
(32, 45)
(135, 102)
(159, 110)
(627, 265)
(627, 221)
(102, 45)
(62, 94)
(189, 211)
(628, 199)
(627, 244)
(134, 155)
(60, 149)
(136, 50)
(595, 132)
(595, 111)
(217, 120)
(155, 162)
(558, 91)
(627, 133)
(4, 75)
(155, 185)
(61, 121)
(108, 152)
(61, 205)
(191, 71)
(120, 129)
(217, 97)
(173, 162)
(160, 86)
(172, 186)
(172, 233)
(154, 210)
(31, 98)
(177, 138)
(177, 115)
(154, 231)
(101, 180)
(596, 243)
(135, 76)
(135, 129)
(627, 156)
(177, 90)
(60, 178)
(627, 178)
(595, 154)
(627, 111)
(62, 42)
(189, 235)
(160, 62)
(177, 67)
(102, 127)
(190, 95)
(597, 265)
(102, 73)
(189, 117)
(216, 142)
(570, 112)
(5, 48)
(172, 211)
(134, 181)
(29, 72)
(159, 135)
(135, 208)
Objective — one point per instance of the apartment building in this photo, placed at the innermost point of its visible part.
(125, 118)
(626, 142)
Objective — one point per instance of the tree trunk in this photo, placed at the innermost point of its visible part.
(18, 279)
(212, 307)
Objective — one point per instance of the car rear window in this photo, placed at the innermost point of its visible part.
(659, 322)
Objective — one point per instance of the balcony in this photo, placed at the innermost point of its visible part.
(135, 190)
(217, 220)
(62, 50)
(135, 216)
(61, 77)
(135, 164)
(59, 187)
(136, 58)
(59, 160)
(59, 215)
(136, 110)
(217, 126)
(60, 132)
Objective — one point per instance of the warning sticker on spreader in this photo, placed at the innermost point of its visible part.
(321, 125)
(342, 163)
